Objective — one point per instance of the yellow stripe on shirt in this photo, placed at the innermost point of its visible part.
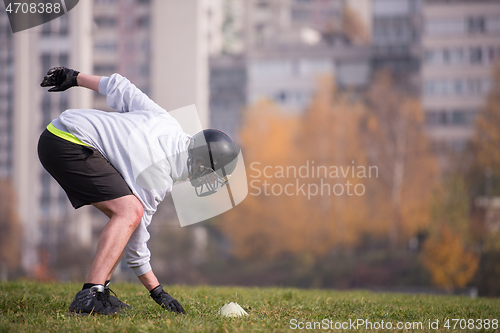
(65, 135)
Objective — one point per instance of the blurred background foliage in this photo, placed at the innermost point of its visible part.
(413, 227)
(418, 227)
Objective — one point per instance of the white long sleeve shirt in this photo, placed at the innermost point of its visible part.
(143, 142)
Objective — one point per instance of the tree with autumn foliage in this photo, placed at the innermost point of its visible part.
(330, 136)
(486, 139)
(326, 134)
(265, 226)
(485, 166)
(483, 181)
(448, 260)
(448, 253)
(335, 131)
(397, 144)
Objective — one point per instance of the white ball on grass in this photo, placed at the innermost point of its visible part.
(232, 310)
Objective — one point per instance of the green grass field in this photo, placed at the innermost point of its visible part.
(42, 307)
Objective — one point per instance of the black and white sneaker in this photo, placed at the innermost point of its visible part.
(91, 301)
(113, 299)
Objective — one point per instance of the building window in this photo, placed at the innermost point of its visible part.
(45, 197)
(46, 29)
(129, 23)
(145, 45)
(105, 69)
(432, 57)
(459, 87)
(493, 24)
(429, 88)
(262, 4)
(486, 85)
(105, 22)
(46, 107)
(474, 87)
(300, 14)
(143, 22)
(491, 54)
(458, 118)
(45, 62)
(476, 24)
(63, 25)
(64, 59)
(63, 102)
(145, 90)
(475, 55)
(445, 26)
(281, 97)
(130, 46)
(450, 118)
(456, 56)
(442, 118)
(446, 56)
(106, 47)
(144, 70)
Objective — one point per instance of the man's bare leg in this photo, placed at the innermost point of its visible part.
(114, 267)
(125, 214)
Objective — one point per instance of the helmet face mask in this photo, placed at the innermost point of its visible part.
(212, 159)
(208, 183)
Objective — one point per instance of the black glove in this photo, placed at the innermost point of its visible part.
(61, 78)
(165, 300)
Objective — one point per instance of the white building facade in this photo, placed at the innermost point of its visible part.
(43, 208)
(461, 44)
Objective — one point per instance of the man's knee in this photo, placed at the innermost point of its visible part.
(137, 211)
(132, 210)
(128, 207)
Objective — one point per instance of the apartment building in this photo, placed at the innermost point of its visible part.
(25, 110)
(6, 96)
(461, 44)
(396, 35)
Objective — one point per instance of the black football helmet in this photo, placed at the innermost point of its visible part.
(212, 158)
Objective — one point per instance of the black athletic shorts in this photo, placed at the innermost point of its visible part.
(84, 174)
